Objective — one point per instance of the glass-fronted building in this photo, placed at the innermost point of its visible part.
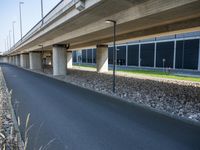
(177, 51)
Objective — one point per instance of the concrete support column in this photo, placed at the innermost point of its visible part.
(59, 60)
(35, 60)
(15, 60)
(18, 60)
(12, 60)
(1, 59)
(5, 59)
(69, 59)
(15, 57)
(9, 60)
(24, 60)
(102, 58)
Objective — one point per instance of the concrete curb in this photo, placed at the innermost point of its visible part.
(19, 137)
(122, 100)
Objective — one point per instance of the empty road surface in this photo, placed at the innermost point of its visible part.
(64, 116)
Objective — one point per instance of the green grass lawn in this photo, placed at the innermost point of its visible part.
(85, 66)
(152, 74)
(161, 75)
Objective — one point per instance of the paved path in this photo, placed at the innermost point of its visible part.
(72, 118)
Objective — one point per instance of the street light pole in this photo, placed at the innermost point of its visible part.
(42, 13)
(114, 52)
(163, 64)
(20, 15)
(13, 23)
(5, 45)
(9, 39)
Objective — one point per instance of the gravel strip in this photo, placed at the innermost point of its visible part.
(9, 133)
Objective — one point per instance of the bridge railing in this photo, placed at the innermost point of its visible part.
(56, 11)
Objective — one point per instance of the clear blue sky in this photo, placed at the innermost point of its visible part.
(31, 14)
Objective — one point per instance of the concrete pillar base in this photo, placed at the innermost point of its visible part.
(59, 60)
(24, 60)
(15, 60)
(9, 59)
(12, 60)
(5, 59)
(69, 59)
(35, 60)
(18, 60)
(102, 58)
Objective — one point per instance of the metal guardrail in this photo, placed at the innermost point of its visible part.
(56, 11)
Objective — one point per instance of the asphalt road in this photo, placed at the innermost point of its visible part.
(73, 118)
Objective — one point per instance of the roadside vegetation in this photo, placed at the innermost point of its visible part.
(10, 136)
(150, 73)
(161, 75)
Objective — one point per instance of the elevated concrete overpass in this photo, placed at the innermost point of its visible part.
(82, 24)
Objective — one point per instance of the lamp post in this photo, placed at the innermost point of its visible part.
(163, 64)
(42, 14)
(5, 45)
(13, 23)
(9, 39)
(114, 51)
(20, 15)
(183, 53)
